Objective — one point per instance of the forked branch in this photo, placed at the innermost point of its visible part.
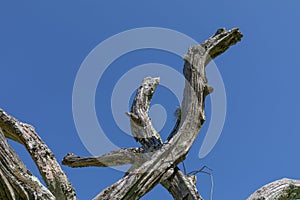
(142, 179)
(155, 162)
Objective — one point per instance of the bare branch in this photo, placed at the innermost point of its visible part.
(220, 42)
(16, 182)
(114, 158)
(141, 180)
(181, 186)
(173, 180)
(280, 190)
(140, 122)
(154, 163)
(43, 157)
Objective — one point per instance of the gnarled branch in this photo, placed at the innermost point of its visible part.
(142, 179)
(155, 162)
(16, 182)
(141, 126)
(176, 182)
(55, 178)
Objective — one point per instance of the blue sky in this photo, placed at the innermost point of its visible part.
(42, 45)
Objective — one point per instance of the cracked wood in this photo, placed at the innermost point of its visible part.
(142, 179)
(54, 177)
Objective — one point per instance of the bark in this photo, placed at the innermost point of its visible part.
(54, 177)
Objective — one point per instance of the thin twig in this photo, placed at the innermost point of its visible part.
(184, 169)
(210, 175)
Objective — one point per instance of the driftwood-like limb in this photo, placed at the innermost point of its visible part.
(142, 179)
(56, 180)
(114, 158)
(177, 183)
(16, 182)
(141, 126)
(283, 189)
(154, 163)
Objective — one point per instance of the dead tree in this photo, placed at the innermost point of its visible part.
(153, 163)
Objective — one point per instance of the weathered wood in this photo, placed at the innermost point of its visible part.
(114, 158)
(283, 189)
(181, 186)
(177, 183)
(141, 126)
(141, 180)
(16, 182)
(54, 177)
(155, 162)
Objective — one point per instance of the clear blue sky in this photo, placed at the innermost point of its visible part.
(43, 43)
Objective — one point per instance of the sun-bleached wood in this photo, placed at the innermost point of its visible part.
(16, 182)
(153, 163)
(54, 177)
(142, 179)
(283, 189)
(114, 158)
